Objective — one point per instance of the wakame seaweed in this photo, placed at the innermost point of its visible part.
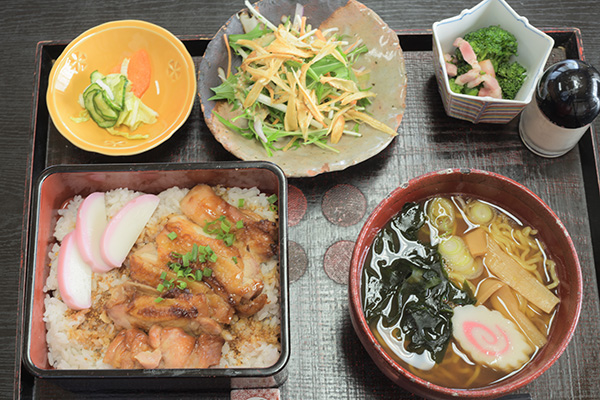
(404, 285)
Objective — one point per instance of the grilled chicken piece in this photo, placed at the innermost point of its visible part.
(163, 348)
(258, 239)
(250, 307)
(230, 269)
(133, 305)
(146, 268)
(125, 346)
(180, 350)
(203, 205)
(235, 272)
(149, 359)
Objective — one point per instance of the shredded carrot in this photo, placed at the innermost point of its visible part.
(352, 46)
(289, 144)
(228, 56)
(271, 93)
(303, 26)
(320, 35)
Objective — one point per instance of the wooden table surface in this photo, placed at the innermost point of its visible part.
(327, 361)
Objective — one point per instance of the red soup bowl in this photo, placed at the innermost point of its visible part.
(516, 200)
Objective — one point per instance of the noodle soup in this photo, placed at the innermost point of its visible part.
(459, 292)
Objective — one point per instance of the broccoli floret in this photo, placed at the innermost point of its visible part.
(497, 45)
(454, 86)
(510, 77)
(464, 89)
(471, 91)
(492, 43)
(462, 68)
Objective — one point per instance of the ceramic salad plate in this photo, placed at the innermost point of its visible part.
(383, 66)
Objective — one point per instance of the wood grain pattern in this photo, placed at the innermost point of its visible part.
(327, 359)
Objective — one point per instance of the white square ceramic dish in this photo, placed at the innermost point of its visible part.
(534, 49)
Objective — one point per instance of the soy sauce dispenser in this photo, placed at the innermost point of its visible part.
(566, 102)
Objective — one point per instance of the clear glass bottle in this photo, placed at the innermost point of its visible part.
(566, 102)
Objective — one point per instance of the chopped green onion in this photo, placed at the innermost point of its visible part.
(480, 213)
(199, 274)
(272, 198)
(234, 259)
(174, 266)
(160, 287)
(207, 271)
(194, 252)
(182, 285)
(240, 203)
(239, 224)
(172, 235)
(222, 232)
(225, 226)
(163, 275)
(158, 299)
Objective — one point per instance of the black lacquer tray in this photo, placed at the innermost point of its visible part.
(326, 213)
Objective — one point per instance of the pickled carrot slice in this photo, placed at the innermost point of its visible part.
(139, 72)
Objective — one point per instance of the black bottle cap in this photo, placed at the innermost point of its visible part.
(569, 93)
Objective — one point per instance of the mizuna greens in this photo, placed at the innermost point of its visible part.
(296, 85)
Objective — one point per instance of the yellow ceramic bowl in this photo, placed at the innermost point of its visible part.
(171, 92)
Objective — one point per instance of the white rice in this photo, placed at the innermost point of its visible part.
(74, 342)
